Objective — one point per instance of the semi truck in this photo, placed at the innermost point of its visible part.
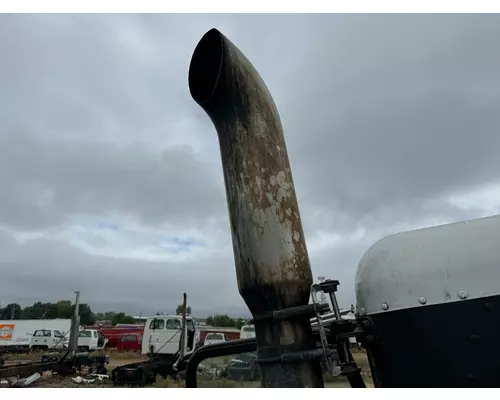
(168, 341)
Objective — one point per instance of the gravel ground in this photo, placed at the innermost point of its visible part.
(69, 383)
(118, 359)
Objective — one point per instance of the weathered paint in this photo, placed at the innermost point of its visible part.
(431, 266)
(272, 264)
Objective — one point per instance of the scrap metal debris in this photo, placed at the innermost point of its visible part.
(14, 381)
(212, 373)
(91, 378)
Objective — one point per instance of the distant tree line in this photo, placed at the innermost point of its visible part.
(65, 309)
(225, 321)
(178, 310)
(115, 318)
(39, 310)
(222, 321)
(62, 309)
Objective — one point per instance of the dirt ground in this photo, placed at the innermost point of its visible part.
(121, 358)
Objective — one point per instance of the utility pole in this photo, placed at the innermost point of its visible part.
(75, 323)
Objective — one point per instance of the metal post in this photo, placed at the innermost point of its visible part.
(183, 327)
(75, 323)
(272, 263)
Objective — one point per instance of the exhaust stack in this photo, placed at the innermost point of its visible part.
(272, 263)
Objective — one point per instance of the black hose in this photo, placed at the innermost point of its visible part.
(216, 350)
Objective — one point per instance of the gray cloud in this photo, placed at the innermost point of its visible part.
(42, 269)
(45, 181)
(385, 118)
(414, 120)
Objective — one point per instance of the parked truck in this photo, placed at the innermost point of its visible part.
(216, 337)
(48, 339)
(229, 333)
(168, 342)
(90, 340)
(126, 342)
(247, 332)
(15, 335)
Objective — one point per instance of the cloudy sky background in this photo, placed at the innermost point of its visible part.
(111, 177)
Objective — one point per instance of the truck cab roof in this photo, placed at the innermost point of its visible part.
(150, 320)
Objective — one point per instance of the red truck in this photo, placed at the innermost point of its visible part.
(126, 341)
(123, 338)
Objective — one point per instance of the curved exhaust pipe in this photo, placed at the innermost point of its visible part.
(272, 263)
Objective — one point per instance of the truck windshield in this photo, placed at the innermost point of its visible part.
(42, 332)
(84, 334)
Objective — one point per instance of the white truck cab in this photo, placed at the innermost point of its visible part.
(213, 338)
(247, 332)
(162, 335)
(91, 339)
(43, 339)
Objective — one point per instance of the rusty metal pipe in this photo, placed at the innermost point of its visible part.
(272, 264)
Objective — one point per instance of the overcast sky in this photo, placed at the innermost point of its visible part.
(111, 176)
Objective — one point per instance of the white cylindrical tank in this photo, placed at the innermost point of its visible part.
(432, 299)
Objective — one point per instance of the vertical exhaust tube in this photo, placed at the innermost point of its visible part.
(272, 264)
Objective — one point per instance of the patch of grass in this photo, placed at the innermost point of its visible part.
(118, 358)
(168, 383)
(226, 383)
(60, 382)
(214, 362)
(118, 355)
(22, 356)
